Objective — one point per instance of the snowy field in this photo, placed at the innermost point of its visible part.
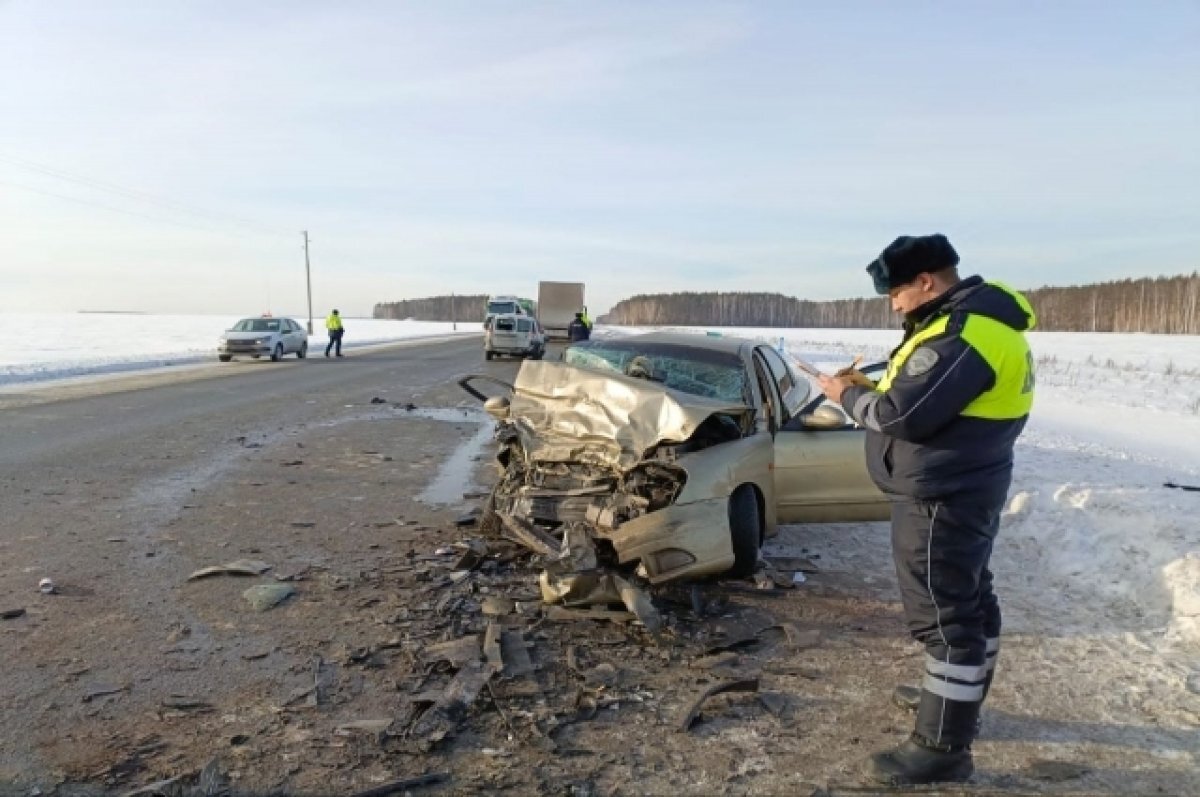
(1093, 540)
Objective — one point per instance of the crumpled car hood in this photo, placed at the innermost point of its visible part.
(564, 413)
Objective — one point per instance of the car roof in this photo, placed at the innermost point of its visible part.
(693, 340)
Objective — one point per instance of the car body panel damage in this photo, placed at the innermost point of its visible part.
(665, 452)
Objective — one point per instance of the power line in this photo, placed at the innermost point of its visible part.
(134, 194)
(125, 211)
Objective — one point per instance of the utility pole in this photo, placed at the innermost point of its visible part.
(453, 316)
(308, 279)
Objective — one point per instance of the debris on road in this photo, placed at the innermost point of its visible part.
(263, 597)
(693, 709)
(47, 587)
(13, 613)
(395, 787)
(104, 691)
(238, 567)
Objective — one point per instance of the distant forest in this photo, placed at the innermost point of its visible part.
(1168, 305)
(435, 308)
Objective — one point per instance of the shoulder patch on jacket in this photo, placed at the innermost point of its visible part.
(920, 361)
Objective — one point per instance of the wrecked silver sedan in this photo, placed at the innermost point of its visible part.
(677, 452)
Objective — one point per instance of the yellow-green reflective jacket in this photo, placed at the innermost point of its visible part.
(956, 394)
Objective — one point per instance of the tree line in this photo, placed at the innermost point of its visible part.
(1169, 305)
(435, 308)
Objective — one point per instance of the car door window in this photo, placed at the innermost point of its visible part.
(795, 391)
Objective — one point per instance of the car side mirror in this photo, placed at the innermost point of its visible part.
(497, 407)
(824, 417)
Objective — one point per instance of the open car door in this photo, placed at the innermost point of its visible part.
(821, 469)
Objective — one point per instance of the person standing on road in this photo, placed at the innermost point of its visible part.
(577, 330)
(333, 325)
(941, 425)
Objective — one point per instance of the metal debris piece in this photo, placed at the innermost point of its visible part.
(185, 703)
(263, 597)
(596, 588)
(388, 789)
(517, 663)
(693, 710)
(292, 463)
(103, 691)
(443, 717)
(378, 400)
(378, 728)
(238, 567)
(493, 651)
(456, 651)
(11, 614)
(469, 518)
(525, 533)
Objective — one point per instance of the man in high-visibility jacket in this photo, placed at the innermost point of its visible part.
(333, 325)
(941, 425)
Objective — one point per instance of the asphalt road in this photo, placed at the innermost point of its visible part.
(195, 409)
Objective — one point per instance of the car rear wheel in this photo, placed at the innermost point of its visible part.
(745, 530)
(224, 357)
(487, 355)
(300, 355)
(277, 355)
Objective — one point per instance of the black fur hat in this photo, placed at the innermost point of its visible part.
(908, 256)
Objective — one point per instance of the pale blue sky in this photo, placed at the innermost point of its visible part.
(478, 147)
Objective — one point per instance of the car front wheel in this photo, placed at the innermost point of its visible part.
(487, 355)
(745, 530)
(277, 355)
(224, 357)
(303, 352)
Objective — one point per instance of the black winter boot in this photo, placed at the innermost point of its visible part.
(918, 761)
(908, 697)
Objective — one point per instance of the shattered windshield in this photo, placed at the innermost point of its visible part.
(697, 371)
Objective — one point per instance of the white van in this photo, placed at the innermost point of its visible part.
(516, 335)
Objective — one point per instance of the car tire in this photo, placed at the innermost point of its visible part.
(303, 352)
(487, 355)
(277, 355)
(745, 531)
(224, 357)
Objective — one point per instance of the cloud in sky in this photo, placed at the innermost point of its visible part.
(638, 147)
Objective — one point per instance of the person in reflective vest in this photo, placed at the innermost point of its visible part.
(940, 429)
(333, 325)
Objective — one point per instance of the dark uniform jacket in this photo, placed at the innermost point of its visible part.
(943, 420)
(577, 330)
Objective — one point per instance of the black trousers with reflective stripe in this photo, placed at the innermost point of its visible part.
(942, 550)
